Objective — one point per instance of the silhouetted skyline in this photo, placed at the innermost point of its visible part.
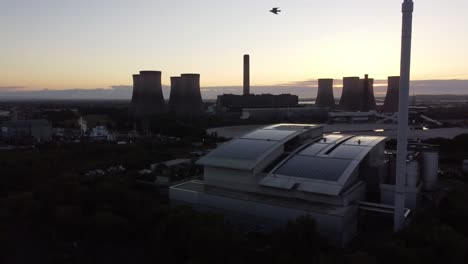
(87, 44)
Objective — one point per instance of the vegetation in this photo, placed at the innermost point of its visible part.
(50, 212)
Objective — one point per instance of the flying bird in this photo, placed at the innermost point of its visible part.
(275, 10)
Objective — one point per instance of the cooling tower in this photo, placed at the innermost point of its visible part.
(325, 93)
(352, 94)
(246, 74)
(136, 90)
(368, 98)
(391, 99)
(152, 100)
(175, 97)
(188, 100)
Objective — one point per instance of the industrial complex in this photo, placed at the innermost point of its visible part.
(280, 172)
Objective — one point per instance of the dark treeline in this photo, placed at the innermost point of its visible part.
(51, 213)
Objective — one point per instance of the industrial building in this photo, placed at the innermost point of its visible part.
(278, 173)
(229, 106)
(282, 114)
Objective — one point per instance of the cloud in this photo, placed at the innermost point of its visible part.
(11, 88)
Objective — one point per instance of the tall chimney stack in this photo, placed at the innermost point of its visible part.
(402, 142)
(246, 74)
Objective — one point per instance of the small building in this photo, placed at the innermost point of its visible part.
(465, 166)
(173, 170)
(38, 129)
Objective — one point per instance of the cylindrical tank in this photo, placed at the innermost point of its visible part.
(412, 174)
(325, 93)
(246, 74)
(430, 168)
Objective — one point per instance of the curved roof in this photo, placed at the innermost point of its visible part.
(247, 151)
(317, 163)
(324, 166)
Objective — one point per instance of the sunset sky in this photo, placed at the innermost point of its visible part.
(60, 44)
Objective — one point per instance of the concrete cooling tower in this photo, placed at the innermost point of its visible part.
(185, 98)
(325, 93)
(368, 98)
(175, 96)
(351, 95)
(150, 100)
(391, 99)
(136, 90)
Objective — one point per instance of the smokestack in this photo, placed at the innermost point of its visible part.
(351, 95)
(152, 100)
(402, 142)
(246, 74)
(325, 93)
(391, 99)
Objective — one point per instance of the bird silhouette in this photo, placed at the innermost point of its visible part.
(275, 10)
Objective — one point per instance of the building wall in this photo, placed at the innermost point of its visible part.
(337, 228)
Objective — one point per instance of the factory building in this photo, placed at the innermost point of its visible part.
(278, 173)
(284, 114)
(391, 99)
(229, 106)
(325, 96)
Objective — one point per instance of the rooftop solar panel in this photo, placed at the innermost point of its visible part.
(242, 149)
(269, 134)
(316, 168)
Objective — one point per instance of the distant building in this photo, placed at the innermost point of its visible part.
(172, 170)
(232, 105)
(282, 114)
(39, 129)
(100, 133)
